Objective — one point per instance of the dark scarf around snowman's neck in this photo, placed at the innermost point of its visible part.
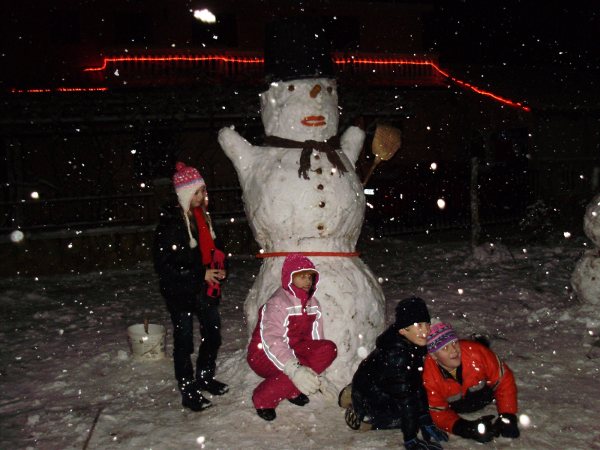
(328, 147)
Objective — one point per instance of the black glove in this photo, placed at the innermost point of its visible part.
(418, 444)
(481, 430)
(429, 431)
(506, 425)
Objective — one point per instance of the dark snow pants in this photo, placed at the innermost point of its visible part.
(318, 355)
(208, 315)
(383, 412)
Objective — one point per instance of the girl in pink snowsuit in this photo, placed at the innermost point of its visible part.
(287, 347)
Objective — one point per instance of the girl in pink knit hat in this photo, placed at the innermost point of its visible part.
(190, 268)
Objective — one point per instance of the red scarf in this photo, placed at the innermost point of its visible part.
(207, 245)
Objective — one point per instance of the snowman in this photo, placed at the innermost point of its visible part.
(301, 193)
(586, 276)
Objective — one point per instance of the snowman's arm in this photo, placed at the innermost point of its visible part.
(241, 153)
(352, 142)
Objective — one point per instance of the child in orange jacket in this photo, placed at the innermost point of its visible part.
(463, 376)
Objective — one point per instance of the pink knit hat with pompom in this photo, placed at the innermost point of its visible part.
(186, 181)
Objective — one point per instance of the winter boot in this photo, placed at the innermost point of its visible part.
(355, 422)
(301, 400)
(267, 413)
(191, 397)
(213, 386)
(345, 397)
(352, 419)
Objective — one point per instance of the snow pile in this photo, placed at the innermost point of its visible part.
(68, 376)
(586, 276)
(490, 252)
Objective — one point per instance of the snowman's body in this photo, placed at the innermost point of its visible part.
(586, 276)
(322, 214)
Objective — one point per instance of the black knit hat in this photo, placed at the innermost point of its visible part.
(297, 48)
(411, 310)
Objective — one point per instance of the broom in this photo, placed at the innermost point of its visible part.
(386, 142)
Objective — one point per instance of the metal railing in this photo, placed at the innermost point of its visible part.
(505, 192)
(403, 205)
(103, 211)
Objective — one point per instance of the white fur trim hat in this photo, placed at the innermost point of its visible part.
(186, 182)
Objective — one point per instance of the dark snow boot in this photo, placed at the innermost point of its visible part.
(267, 414)
(191, 397)
(213, 386)
(195, 402)
(354, 421)
(345, 397)
(301, 400)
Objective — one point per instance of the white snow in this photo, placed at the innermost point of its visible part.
(286, 104)
(62, 366)
(591, 221)
(325, 213)
(586, 276)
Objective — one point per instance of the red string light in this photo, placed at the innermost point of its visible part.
(154, 59)
(29, 91)
(59, 89)
(459, 82)
(338, 61)
(259, 60)
(64, 89)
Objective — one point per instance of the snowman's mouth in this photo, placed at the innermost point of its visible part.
(313, 121)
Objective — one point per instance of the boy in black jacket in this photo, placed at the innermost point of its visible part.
(387, 389)
(190, 268)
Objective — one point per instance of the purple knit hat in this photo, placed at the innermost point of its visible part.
(440, 335)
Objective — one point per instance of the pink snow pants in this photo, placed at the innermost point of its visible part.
(318, 355)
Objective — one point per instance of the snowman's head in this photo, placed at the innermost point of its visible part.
(301, 109)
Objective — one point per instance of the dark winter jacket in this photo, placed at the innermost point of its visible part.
(179, 267)
(389, 381)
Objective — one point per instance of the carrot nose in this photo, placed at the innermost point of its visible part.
(315, 90)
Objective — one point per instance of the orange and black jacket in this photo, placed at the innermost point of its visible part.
(481, 378)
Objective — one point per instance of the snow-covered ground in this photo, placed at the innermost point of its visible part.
(65, 362)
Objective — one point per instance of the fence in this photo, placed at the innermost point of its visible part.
(104, 211)
(409, 203)
(404, 204)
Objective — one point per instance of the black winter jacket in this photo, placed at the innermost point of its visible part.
(179, 267)
(389, 380)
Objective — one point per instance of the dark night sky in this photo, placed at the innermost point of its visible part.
(560, 38)
(545, 53)
(516, 32)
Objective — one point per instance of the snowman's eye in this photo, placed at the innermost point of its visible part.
(291, 87)
(330, 89)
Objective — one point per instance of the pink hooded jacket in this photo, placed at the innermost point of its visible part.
(290, 316)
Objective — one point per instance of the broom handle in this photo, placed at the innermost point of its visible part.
(371, 170)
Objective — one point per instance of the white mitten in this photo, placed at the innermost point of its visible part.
(328, 389)
(304, 378)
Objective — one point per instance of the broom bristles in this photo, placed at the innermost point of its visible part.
(386, 142)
